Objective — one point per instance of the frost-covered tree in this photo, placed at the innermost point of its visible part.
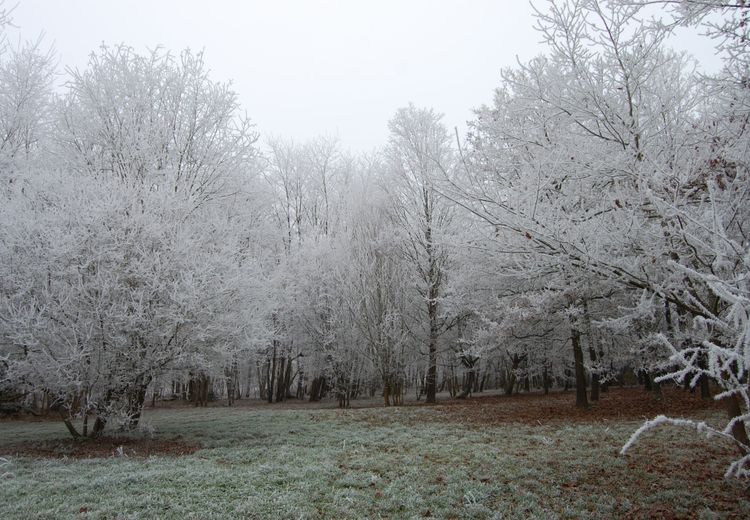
(117, 261)
(609, 165)
(26, 75)
(560, 164)
(418, 154)
(154, 119)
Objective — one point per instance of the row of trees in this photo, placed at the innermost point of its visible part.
(593, 224)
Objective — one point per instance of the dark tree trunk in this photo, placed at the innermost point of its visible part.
(280, 380)
(288, 379)
(651, 385)
(318, 388)
(468, 384)
(248, 386)
(230, 387)
(594, 376)
(510, 380)
(199, 389)
(470, 376)
(704, 381)
(580, 370)
(450, 380)
(98, 428)
(647, 381)
(272, 374)
(262, 378)
(72, 429)
(397, 397)
(734, 409)
(510, 383)
(136, 396)
(592, 352)
(387, 393)
(95, 432)
(431, 393)
(314, 387)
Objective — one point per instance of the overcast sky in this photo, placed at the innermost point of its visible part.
(306, 68)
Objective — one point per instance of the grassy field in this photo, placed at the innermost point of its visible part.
(479, 459)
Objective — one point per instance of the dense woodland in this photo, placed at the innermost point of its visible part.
(591, 229)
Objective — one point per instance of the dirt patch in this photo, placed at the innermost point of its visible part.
(616, 404)
(104, 447)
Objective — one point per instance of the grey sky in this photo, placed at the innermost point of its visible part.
(306, 68)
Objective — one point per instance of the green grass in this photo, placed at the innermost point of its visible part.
(406, 462)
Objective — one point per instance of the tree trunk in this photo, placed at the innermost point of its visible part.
(580, 370)
(433, 277)
(468, 383)
(734, 409)
(594, 375)
(704, 381)
(96, 430)
(318, 388)
(288, 379)
(272, 374)
(592, 352)
(398, 393)
(300, 384)
(657, 390)
(99, 424)
(510, 375)
(280, 379)
(646, 380)
(432, 367)
(510, 382)
(229, 379)
(262, 378)
(72, 429)
(314, 390)
(136, 396)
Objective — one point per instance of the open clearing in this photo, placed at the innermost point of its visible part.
(489, 457)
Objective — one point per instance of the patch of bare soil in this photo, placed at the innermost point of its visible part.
(104, 447)
(616, 404)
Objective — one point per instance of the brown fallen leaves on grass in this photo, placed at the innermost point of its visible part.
(620, 404)
(663, 461)
(104, 447)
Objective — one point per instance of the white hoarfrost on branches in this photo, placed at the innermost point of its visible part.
(154, 119)
(418, 154)
(609, 169)
(594, 227)
(126, 255)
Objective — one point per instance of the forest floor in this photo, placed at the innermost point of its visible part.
(490, 456)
